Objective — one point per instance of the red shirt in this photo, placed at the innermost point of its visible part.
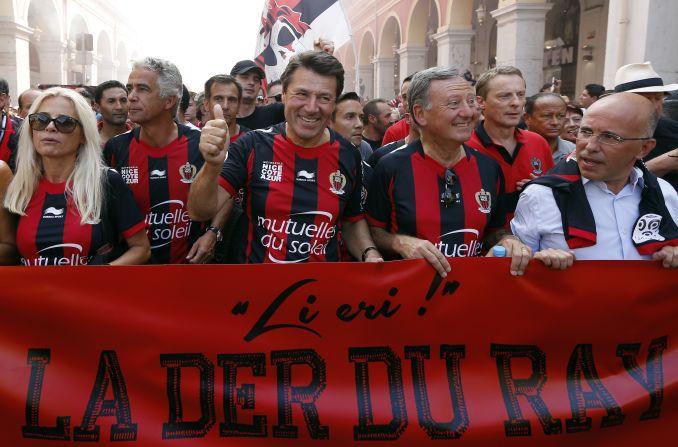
(396, 132)
(532, 155)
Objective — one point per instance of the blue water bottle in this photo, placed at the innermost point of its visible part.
(498, 251)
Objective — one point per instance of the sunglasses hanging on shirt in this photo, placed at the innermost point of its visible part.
(449, 197)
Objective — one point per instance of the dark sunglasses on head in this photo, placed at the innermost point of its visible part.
(449, 197)
(63, 123)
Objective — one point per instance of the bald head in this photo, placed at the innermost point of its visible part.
(26, 99)
(617, 106)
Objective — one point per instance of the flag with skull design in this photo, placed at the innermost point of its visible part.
(291, 26)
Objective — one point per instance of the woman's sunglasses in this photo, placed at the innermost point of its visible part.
(63, 123)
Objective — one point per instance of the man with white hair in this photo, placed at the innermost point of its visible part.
(437, 198)
(158, 160)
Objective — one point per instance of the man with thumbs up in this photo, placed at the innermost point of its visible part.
(301, 179)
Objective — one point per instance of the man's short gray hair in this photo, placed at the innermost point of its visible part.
(421, 85)
(169, 77)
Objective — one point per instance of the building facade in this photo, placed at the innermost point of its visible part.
(63, 42)
(577, 41)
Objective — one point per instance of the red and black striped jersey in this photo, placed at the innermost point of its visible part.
(51, 233)
(405, 197)
(9, 137)
(532, 155)
(294, 196)
(159, 178)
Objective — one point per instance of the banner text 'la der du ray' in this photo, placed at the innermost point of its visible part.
(339, 354)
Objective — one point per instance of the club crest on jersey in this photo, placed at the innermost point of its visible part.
(536, 165)
(187, 172)
(337, 182)
(484, 200)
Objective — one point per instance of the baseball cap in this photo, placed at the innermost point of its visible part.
(245, 66)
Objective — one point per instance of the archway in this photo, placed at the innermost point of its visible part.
(388, 60)
(365, 67)
(423, 24)
(123, 63)
(46, 50)
(561, 44)
(80, 59)
(350, 84)
(105, 64)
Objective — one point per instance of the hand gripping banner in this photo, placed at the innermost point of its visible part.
(339, 355)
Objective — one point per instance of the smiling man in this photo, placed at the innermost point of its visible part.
(603, 204)
(300, 179)
(437, 198)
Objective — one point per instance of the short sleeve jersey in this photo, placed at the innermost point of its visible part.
(532, 155)
(405, 197)
(51, 233)
(160, 179)
(385, 150)
(9, 138)
(294, 197)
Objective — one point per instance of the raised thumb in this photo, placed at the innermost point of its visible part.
(217, 112)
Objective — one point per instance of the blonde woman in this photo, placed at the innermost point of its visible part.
(72, 209)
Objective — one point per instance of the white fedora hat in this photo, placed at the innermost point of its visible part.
(640, 78)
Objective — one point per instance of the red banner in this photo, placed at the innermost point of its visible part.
(339, 354)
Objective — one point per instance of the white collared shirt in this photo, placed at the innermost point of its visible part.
(538, 223)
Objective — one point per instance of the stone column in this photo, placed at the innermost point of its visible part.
(520, 38)
(366, 73)
(412, 59)
(349, 80)
(384, 68)
(454, 48)
(53, 56)
(14, 66)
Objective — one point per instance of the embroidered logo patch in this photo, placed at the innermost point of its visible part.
(337, 182)
(536, 165)
(305, 176)
(484, 200)
(187, 172)
(647, 229)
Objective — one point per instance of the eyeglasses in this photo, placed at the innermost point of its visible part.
(449, 197)
(277, 97)
(63, 123)
(608, 138)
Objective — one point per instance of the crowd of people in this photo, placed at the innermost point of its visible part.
(301, 171)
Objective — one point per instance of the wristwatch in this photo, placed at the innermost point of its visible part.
(216, 231)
